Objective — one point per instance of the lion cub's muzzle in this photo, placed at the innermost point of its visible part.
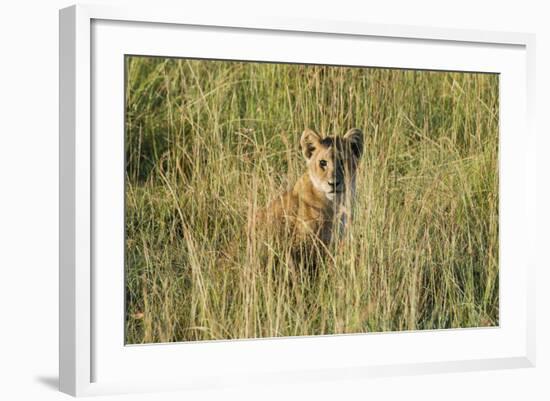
(336, 187)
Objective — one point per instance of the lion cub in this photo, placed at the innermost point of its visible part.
(319, 203)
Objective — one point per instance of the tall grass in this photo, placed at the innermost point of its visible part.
(208, 142)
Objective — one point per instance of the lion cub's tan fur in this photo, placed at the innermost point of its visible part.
(320, 201)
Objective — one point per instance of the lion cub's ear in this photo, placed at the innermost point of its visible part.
(355, 138)
(309, 142)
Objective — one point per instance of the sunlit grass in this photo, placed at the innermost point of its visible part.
(209, 142)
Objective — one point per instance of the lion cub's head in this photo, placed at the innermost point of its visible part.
(332, 160)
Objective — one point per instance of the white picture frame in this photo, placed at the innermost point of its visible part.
(95, 361)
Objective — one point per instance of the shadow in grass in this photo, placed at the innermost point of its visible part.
(52, 382)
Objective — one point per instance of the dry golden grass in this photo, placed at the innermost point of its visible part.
(207, 142)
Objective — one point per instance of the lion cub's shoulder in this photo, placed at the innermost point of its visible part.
(281, 207)
(297, 212)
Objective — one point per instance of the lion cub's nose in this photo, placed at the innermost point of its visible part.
(333, 184)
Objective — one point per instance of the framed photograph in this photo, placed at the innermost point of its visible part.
(279, 200)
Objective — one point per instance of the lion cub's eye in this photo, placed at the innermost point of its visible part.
(323, 163)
